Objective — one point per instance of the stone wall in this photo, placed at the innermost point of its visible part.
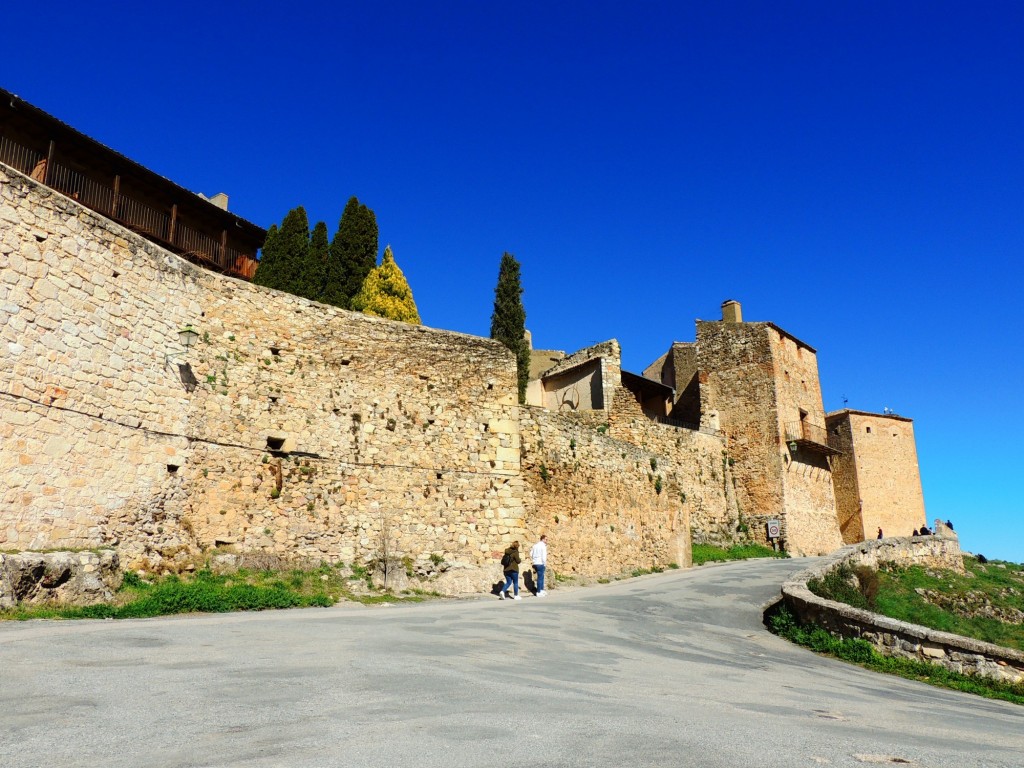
(299, 430)
(877, 479)
(898, 638)
(614, 495)
(291, 427)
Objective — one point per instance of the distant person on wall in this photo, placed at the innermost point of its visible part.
(949, 525)
(925, 531)
(510, 567)
(879, 533)
(539, 556)
(915, 533)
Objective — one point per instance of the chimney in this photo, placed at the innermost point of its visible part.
(220, 200)
(731, 311)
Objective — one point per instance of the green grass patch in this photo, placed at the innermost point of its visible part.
(999, 586)
(860, 652)
(208, 592)
(985, 604)
(706, 553)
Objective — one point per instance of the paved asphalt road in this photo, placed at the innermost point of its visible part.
(668, 670)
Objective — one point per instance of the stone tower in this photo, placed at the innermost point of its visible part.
(877, 479)
(761, 385)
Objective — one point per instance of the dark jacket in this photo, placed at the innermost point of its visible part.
(513, 562)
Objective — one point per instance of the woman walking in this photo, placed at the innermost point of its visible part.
(510, 567)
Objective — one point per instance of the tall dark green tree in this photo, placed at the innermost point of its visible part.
(353, 254)
(314, 273)
(270, 262)
(508, 323)
(286, 254)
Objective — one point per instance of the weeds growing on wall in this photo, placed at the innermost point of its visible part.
(706, 553)
(780, 621)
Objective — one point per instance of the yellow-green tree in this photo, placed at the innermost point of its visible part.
(386, 293)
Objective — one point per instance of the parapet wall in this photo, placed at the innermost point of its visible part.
(899, 638)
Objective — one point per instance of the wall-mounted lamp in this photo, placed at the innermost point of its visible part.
(792, 446)
(187, 336)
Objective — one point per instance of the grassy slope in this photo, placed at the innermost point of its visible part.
(897, 599)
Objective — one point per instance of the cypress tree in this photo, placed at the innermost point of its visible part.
(314, 274)
(353, 254)
(269, 260)
(508, 323)
(286, 254)
(386, 293)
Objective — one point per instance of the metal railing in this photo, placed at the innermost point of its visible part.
(20, 158)
(80, 187)
(158, 225)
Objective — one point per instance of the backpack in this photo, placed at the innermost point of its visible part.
(506, 560)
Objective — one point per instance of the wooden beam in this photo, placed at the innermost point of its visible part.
(224, 249)
(174, 223)
(117, 196)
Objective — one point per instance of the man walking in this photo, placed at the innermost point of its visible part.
(539, 556)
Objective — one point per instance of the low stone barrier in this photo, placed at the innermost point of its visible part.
(893, 637)
(69, 578)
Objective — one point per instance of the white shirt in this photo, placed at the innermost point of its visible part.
(539, 553)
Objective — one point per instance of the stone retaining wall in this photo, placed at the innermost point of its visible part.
(899, 638)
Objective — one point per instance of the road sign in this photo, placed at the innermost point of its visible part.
(774, 529)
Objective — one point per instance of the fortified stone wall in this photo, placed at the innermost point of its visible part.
(878, 482)
(693, 465)
(615, 496)
(291, 427)
(844, 480)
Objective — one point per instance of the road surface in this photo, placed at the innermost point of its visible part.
(666, 670)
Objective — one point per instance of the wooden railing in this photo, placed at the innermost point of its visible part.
(161, 226)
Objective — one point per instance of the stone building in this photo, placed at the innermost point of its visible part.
(876, 475)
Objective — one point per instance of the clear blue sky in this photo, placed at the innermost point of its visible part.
(850, 171)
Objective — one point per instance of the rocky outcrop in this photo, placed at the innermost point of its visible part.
(68, 578)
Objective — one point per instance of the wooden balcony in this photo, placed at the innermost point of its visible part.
(809, 437)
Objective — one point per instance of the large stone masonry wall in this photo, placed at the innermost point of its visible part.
(595, 498)
(291, 427)
(899, 638)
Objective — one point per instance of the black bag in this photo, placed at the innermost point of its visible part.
(506, 560)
